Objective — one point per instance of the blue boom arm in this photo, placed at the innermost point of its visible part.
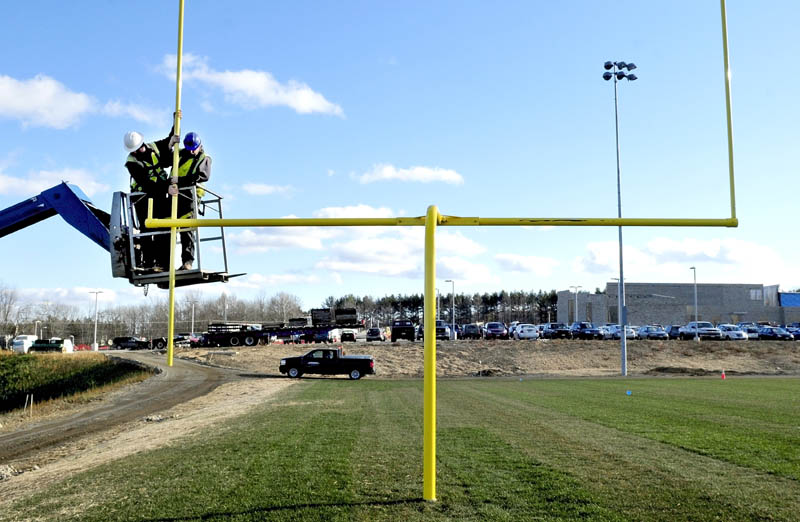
(68, 201)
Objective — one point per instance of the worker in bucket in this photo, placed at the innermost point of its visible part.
(194, 166)
(147, 164)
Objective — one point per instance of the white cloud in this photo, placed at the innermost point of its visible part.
(260, 189)
(252, 89)
(259, 281)
(353, 211)
(541, 266)
(45, 102)
(42, 102)
(465, 273)
(44, 179)
(668, 260)
(261, 240)
(457, 243)
(78, 296)
(384, 172)
(140, 113)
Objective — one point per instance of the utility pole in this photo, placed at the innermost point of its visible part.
(94, 344)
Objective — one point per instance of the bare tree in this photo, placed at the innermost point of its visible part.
(8, 301)
(283, 306)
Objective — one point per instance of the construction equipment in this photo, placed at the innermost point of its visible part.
(119, 232)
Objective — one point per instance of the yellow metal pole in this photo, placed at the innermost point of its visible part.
(429, 400)
(452, 221)
(727, 66)
(174, 172)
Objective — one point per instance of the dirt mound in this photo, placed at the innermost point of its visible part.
(555, 357)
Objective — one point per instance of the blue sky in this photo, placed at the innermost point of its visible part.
(369, 109)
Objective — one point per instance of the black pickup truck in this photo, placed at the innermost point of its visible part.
(328, 361)
(403, 329)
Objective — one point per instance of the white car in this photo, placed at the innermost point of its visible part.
(615, 329)
(751, 332)
(23, 343)
(526, 331)
(731, 332)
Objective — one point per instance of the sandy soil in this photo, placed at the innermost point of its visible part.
(551, 358)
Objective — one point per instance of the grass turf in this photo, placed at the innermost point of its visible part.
(59, 375)
(675, 449)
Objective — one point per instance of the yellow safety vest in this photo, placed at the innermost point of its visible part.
(188, 166)
(156, 171)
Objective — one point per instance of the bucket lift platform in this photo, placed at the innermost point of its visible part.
(119, 233)
(127, 235)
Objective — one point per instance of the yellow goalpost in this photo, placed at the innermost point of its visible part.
(430, 221)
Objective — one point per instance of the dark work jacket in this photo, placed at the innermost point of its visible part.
(152, 179)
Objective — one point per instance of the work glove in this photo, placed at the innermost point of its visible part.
(174, 140)
(174, 180)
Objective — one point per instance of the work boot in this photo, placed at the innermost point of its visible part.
(186, 266)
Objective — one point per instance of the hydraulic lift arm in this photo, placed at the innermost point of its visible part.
(68, 201)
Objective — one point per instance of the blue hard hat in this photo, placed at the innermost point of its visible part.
(191, 141)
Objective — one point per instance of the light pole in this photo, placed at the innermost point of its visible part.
(36, 328)
(192, 330)
(452, 307)
(576, 301)
(618, 74)
(438, 305)
(96, 293)
(696, 329)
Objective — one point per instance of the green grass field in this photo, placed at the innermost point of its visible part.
(675, 449)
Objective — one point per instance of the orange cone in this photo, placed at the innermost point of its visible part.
(723, 375)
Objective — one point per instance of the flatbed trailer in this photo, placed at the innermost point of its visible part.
(251, 334)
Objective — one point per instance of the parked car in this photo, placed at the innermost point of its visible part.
(731, 332)
(751, 331)
(511, 327)
(584, 330)
(130, 343)
(556, 331)
(348, 336)
(652, 332)
(616, 330)
(471, 331)
(442, 331)
(403, 329)
(53, 344)
(23, 343)
(526, 331)
(495, 330)
(774, 333)
(794, 329)
(701, 329)
(673, 331)
(375, 334)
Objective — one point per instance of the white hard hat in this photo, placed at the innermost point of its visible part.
(133, 140)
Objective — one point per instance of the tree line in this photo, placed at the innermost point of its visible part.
(193, 313)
